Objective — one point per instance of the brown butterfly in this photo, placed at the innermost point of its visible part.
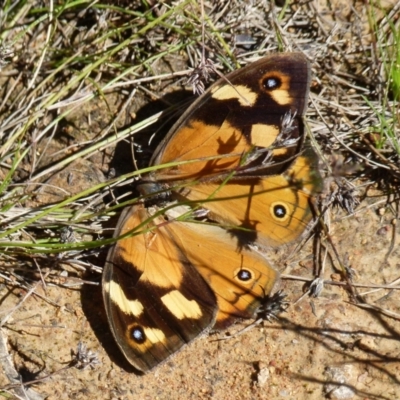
(239, 182)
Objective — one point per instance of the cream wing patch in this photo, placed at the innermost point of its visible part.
(154, 335)
(180, 306)
(117, 296)
(281, 96)
(263, 135)
(245, 96)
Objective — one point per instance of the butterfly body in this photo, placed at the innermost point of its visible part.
(239, 180)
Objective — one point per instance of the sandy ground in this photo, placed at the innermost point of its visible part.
(325, 347)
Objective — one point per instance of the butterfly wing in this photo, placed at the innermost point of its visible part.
(240, 278)
(271, 211)
(242, 112)
(156, 302)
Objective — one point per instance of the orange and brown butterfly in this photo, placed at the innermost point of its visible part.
(237, 155)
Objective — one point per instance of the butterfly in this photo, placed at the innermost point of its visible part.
(240, 181)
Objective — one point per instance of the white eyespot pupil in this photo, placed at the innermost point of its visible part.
(271, 83)
(138, 334)
(244, 275)
(279, 211)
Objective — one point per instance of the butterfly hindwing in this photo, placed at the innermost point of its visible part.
(239, 277)
(271, 211)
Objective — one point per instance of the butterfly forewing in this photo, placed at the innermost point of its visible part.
(236, 114)
(155, 299)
